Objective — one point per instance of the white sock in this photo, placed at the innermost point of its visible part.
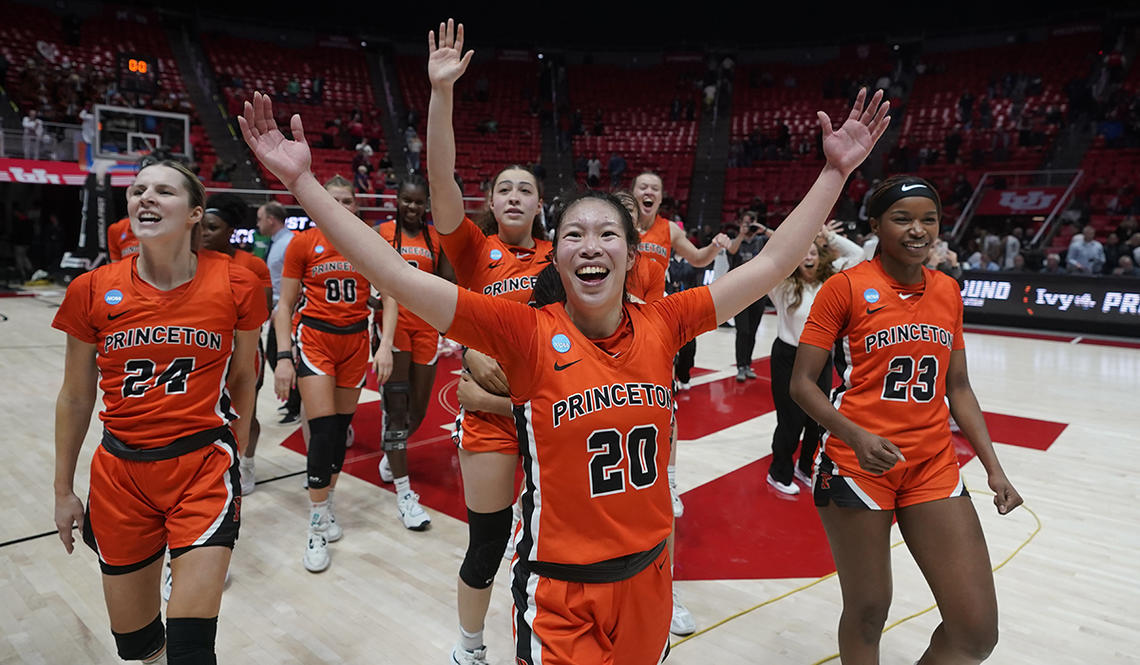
(318, 515)
(671, 470)
(470, 641)
(403, 485)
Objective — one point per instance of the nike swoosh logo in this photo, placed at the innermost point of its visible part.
(492, 266)
(907, 188)
(112, 317)
(559, 368)
(872, 311)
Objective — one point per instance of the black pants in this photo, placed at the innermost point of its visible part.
(790, 418)
(294, 401)
(683, 363)
(747, 322)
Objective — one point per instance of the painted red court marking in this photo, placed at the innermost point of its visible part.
(1111, 342)
(713, 406)
(14, 294)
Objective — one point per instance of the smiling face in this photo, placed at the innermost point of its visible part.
(515, 202)
(593, 253)
(647, 190)
(808, 265)
(907, 230)
(159, 204)
(411, 206)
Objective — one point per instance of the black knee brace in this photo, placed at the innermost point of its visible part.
(322, 450)
(142, 643)
(191, 641)
(487, 536)
(340, 444)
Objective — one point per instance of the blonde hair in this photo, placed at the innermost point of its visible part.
(824, 269)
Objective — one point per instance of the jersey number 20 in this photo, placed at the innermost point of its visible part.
(609, 448)
(901, 370)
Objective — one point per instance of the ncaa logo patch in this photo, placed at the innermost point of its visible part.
(496, 255)
(319, 248)
(113, 297)
(560, 342)
(871, 296)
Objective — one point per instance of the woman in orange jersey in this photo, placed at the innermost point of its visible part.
(327, 356)
(897, 329)
(591, 580)
(170, 337)
(409, 346)
(226, 212)
(499, 256)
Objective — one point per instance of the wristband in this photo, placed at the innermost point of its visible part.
(284, 355)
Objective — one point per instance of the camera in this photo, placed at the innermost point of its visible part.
(755, 228)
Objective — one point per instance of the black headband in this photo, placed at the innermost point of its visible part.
(902, 190)
(224, 215)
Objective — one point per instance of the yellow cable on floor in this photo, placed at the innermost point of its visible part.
(832, 657)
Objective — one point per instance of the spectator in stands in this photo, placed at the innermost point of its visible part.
(962, 191)
(1086, 254)
(1052, 265)
(617, 168)
(361, 184)
(362, 158)
(318, 89)
(1011, 247)
(1128, 226)
(593, 171)
(293, 89)
(1133, 245)
(599, 124)
(1125, 267)
(952, 144)
(1113, 250)
(33, 134)
(415, 146)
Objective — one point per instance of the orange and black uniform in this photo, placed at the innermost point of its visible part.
(646, 281)
(591, 580)
(167, 469)
(330, 326)
(892, 347)
(413, 334)
(121, 241)
(485, 264)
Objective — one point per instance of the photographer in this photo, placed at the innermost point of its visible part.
(747, 244)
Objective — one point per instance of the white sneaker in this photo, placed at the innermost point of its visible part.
(248, 482)
(685, 387)
(803, 477)
(386, 470)
(678, 506)
(682, 623)
(461, 656)
(350, 438)
(786, 488)
(316, 556)
(332, 530)
(411, 512)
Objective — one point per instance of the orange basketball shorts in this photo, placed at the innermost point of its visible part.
(344, 357)
(914, 481)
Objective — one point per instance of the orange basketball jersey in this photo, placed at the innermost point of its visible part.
(331, 289)
(415, 251)
(657, 243)
(893, 354)
(485, 264)
(163, 355)
(255, 266)
(121, 241)
(646, 281)
(593, 419)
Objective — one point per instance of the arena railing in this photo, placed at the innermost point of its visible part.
(1067, 178)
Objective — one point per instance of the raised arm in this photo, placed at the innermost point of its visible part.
(428, 296)
(446, 63)
(698, 258)
(845, 149)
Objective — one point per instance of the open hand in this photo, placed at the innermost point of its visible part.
(288, 160)
(68, 512)
(382, 361)
(847, 147)
(447, 62)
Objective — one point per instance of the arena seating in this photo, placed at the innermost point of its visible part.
(510, 86)
(635, 105)
(345, 89)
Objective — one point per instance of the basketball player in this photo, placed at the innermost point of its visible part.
(414, 345)
(591, 580)
(897, 327)
(226, 212)
(121, 241)
(499, 257)
(327, 356)
(170, 337)
(659, 238)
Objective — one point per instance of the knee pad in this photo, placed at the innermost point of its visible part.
(191, 641)
(396, 397)
(395, 439)
(322, 446)
(340, 444)
(488, 534)
(142, 643)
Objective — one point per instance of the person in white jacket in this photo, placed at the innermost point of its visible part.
(793, 298)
